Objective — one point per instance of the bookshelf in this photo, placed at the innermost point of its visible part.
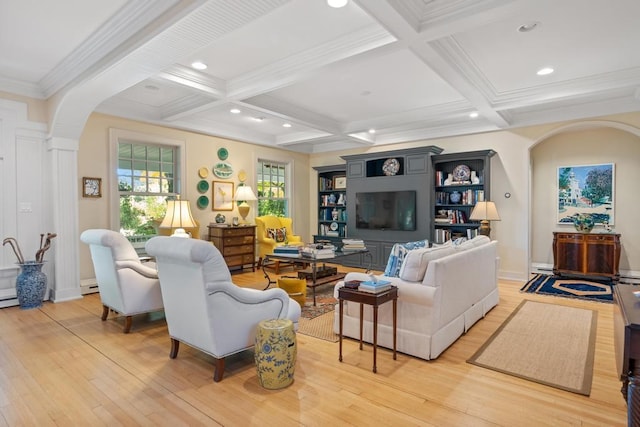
(461, 180)
(332, 203)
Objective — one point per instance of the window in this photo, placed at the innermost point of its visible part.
(146, 178)
(273, 188)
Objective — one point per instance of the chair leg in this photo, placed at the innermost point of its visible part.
(175, 346)
(277, 267)
(105, 312)
(217, 376)
(259, 262)
(127, 324)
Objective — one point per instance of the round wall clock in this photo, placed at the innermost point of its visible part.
(391, 167)
(223, 153)
(461, 173)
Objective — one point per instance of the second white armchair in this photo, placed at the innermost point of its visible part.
(204, 308)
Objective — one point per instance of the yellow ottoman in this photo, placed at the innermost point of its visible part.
(295, 287)
(275, 353)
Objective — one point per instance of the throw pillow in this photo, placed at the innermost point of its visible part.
(397, 255)
(416, 262)
(277, 234)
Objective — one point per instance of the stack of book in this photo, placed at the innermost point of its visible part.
(286, 250)
(319, 251)
(374, 287)
(352, 245)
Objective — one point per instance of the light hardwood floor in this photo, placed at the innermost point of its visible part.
(60, 365)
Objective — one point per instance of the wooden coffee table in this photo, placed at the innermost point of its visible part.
(375, 300)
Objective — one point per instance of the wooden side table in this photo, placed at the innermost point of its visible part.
(375, 300)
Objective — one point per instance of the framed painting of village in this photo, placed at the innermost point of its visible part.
(586, 189)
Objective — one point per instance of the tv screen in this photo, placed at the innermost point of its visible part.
(386, 210)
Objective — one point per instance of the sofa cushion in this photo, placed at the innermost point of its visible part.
(397, 255)
(277, 234)
(476, 241)
(416, 261)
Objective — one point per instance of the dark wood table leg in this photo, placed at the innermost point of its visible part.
(313, 277)
(395, 326)
(361, 320)
(375, 337)
(340, 334)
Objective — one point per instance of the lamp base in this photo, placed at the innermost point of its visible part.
(180, 232)
(243, 210)
(484, 229)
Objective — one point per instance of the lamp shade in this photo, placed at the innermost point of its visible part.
(244, 193)
(485, 211)
(178, 215)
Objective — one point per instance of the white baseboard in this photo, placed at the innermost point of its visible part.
(88, 286)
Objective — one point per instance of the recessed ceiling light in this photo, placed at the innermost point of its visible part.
(544, 71)
(286, 125)
(198, 65)
(529, 26)
(473, 115)
(151, 87)
(337, 3)
(234, 111)
(258, 119)
(372, 130)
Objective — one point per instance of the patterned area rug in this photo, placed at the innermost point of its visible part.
(569, 288)
(325, 302)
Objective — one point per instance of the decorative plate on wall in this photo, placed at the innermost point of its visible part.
(203, 186)
(203, 202)
(242, 176)
(223, 153)
(222, 170)
(203, 172)
(391, 167)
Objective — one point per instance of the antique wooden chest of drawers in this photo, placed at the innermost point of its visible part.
(236, 244)
(587, 254)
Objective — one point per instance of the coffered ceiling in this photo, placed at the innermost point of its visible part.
(406, 69)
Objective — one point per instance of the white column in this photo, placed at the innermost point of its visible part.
(62, 191)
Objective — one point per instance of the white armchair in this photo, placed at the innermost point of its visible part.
(204, 308)
(126, 285)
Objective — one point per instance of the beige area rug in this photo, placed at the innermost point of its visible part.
(546, 343)
(319, 327)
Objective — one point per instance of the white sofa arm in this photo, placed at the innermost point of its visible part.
(143, 269)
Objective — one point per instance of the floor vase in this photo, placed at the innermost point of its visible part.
(31, 285)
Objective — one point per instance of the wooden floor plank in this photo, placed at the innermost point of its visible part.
(64, 356)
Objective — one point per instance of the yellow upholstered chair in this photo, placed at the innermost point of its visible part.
(274, 231)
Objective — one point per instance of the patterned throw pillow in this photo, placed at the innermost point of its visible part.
(398, 252)
(277, 234)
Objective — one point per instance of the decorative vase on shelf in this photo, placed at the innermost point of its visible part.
(31, 285)
(583, 222)
(455, 197)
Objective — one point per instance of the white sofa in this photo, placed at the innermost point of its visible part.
(442, 292)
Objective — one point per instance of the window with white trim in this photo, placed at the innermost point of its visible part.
(273, 188)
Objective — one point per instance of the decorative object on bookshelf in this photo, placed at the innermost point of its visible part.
(461, 173)
(474, 178)
(455, 197)
(485, 212)
(342, 199)
(339, 182)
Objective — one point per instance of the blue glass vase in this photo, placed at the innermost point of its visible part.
(31, 285)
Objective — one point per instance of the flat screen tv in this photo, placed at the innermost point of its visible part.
(386, 210)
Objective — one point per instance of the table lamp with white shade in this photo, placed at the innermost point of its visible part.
(243, 195)
(178, 217)
(485, 212)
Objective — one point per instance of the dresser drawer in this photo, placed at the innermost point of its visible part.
(239, 231)
(239, 260)
(238, 240)
(236, 250)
